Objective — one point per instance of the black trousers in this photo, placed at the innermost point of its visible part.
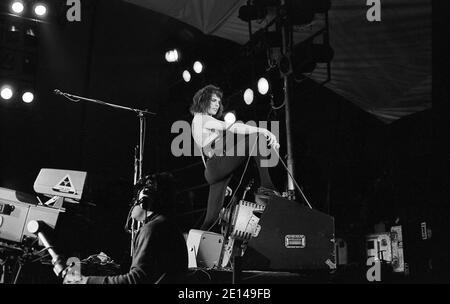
(224, 163)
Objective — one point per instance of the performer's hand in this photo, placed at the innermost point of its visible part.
(74, 278)
(276, 145)
(271, 138)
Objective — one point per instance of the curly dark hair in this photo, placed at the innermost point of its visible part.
(201, 100)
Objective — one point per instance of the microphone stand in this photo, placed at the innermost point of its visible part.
(139, 152)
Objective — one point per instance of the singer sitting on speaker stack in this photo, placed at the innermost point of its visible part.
(209, 133)
(160, 252)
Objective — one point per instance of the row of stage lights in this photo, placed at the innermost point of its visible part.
(23, 8)
(7, 93)
(18, 7)
(263, 86)
(197, 67)
(173, 56)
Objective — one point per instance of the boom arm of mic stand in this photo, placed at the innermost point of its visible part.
(142, 125)
(67, 95)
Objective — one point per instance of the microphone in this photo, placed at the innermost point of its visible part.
(68, 96)
(37, 227)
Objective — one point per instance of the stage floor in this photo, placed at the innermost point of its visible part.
(343, 275)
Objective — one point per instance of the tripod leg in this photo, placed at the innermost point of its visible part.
(16, 278)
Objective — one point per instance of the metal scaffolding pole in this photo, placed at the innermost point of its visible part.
(286, 29)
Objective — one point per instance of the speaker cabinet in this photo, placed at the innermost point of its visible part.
(204, 248)
(292, 237)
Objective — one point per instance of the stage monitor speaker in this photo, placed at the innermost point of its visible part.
(293, 237)
(204, 248)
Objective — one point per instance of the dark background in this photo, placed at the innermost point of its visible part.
(349, 164)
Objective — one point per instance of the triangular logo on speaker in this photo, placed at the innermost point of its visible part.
(65, 185)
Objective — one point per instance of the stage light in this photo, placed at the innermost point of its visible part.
(186, 76)
(198, 67)
(172, 55)
(17, 7)
(27, 97)
(306, 56)
(6, 92)
(31, 33)
(263, 86)
(252, 12)
(303, 12)
(230, 118)
(40, 9)
(13, 34)
(257, 9)
(248, 96)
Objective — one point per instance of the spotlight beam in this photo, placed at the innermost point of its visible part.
(28, 97)
(263, 86)
(198, 67)
(186, 76)
(248, 96)
(40, 9)
(6, 93)
(17, 7)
